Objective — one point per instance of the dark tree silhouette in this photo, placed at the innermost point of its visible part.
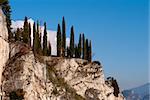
(26, 31)
(79, 46)
(63, 37)
(90, 52)
(86, 49)
(72, 51)
(17, 35)
(58, 41)
(45, 41)
(39, 49)
(35, 43)
(49, 49)
(83, 47)
(29, 36)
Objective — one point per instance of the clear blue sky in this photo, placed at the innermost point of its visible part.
(118, 30)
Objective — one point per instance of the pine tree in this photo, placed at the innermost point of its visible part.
(45, 41)
(7, 11)
(26, 31)
(83, 47)
(72, 51)
(63, 37)
(58, 41)
(79, 46)
(49, 49)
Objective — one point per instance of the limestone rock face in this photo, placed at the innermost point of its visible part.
(4, 45)
(3, 26)
(53, 78)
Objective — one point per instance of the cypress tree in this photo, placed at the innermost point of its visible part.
(68, 51)
(72, 51)
(76, 51)
(49, 49)
(58, 41)
(79, 47)
(45, 40)
(26, 31)
(29, 36)
(83, 47)
(39, 49)
(90, 52)
(86, 50)
(63, 37)
(7, 11)
(35, 44)
(17, 35)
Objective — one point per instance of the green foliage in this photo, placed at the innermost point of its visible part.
(72, 51)
(63, 37)
(45, 41)
(58, 41)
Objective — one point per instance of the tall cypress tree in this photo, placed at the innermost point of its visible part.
(76, 51)
(26, 31)
(63, 37)
(39, 49)
(7, 11)
(79, 46)
(68, 51)
(29, 36)
(49, 49)
(83, 47)
(90, 52)
(72, 51)
(45, 41)
(58, 41)
(35, 44)
(17, 35)
(86, 49)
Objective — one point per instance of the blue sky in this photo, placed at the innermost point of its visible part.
(118, 30)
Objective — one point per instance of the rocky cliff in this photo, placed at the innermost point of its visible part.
(33, 77)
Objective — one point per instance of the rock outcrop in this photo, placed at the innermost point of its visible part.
(53, 78)
(4, 45)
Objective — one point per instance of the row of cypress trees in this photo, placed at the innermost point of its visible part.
(83, 49)
(24, 35)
